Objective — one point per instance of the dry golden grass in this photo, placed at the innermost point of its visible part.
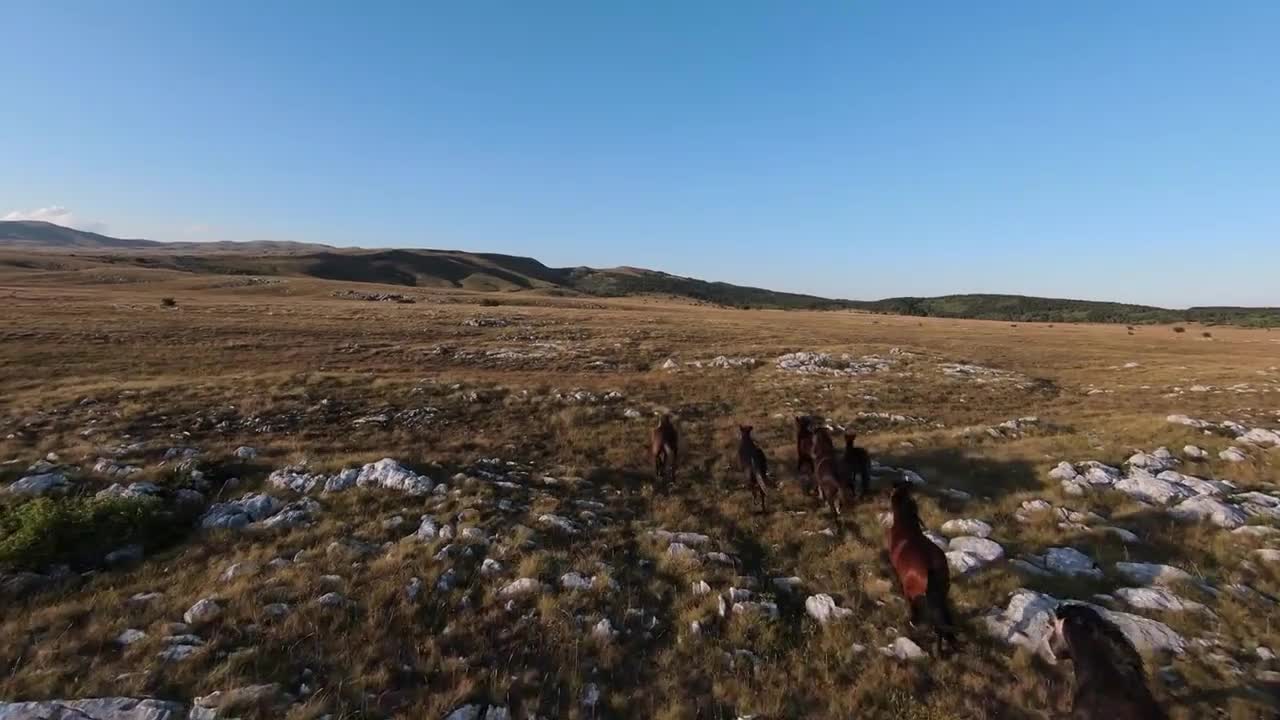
(286, 368)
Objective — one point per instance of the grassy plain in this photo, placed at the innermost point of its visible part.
(88, 363)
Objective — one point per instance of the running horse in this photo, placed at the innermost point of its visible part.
(1110, 680)
(754, 464)
(664, 446)
(829, 477)
(804, 452)
(924, 577)
(857, 462)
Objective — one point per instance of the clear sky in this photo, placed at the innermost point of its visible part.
(1106, 150)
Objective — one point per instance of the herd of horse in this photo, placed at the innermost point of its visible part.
(1110, 680)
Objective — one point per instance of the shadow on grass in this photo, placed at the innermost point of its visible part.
(961, 469)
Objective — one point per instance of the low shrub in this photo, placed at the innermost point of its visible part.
(79, 530)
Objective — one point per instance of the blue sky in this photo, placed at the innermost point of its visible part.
(1104, 150)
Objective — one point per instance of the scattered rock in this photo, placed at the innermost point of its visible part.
(967, 554)
(128, 637)
(1157, 599)
(563, 524)
(391, 475)
(1233, 454)
(1156, 461)
(413, 589)
(108, 708)
(574, 581)
(1204, 508)
(332, 600)
(1071, 562)
(244, 452)
(823, 608)
(1194, 452)
(242, 700)
(603, 630)
(967, 526)
(53, 483)
(904, 649)
(523, 586)
(1261, 436)
(203, 612)
(236, 570)
(1147, 574)
(1146, 487)
(127, 555)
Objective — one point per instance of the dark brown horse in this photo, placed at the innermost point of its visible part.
(923, 574)
(857, 462)
(754, 465)
(827, 473)
(664, 445)
(1110, 680)
(804, 451)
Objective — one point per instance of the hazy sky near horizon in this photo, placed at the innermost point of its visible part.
(1126, 151)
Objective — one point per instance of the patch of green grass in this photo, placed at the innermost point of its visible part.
(79, 531)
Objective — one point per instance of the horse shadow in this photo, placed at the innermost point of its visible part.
(958, 469)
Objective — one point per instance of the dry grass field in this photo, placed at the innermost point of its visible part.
(505, 398)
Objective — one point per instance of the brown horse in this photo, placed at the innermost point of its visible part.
(921, 567)
(664, 445)
(1110, 680)
(804, 451)
(857, 462)
(827, 472)
(754, 465)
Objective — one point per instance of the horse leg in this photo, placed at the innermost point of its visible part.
(918, 611)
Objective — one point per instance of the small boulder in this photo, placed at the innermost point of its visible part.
(523, 586)
(1147, 574)
(823, 608)
(1233, 454)
(1203, 508)
(52, 483)
(967, 554)
(1157, 599)
(1144, 486)
(1071, 562)
(904, 649)
(127, 555)
(966, 526)
(1194, 453)
(203, 612)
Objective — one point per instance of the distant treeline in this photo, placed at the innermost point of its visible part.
(1020, 308)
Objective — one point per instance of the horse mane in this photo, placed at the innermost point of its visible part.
(1100, 645)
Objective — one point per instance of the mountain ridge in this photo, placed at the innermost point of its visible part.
(497, 272)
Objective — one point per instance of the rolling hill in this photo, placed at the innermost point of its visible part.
(493, 272)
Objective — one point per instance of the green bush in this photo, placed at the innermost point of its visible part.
(79, 531)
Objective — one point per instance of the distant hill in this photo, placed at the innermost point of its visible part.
(40, 235)
(495, 272)
(37, 234)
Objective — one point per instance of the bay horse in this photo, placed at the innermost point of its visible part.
(804, 452)
(924, 577)
(827, 473)
(1110, 680)
(857, 462)
(753, 463)
(664, 446)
